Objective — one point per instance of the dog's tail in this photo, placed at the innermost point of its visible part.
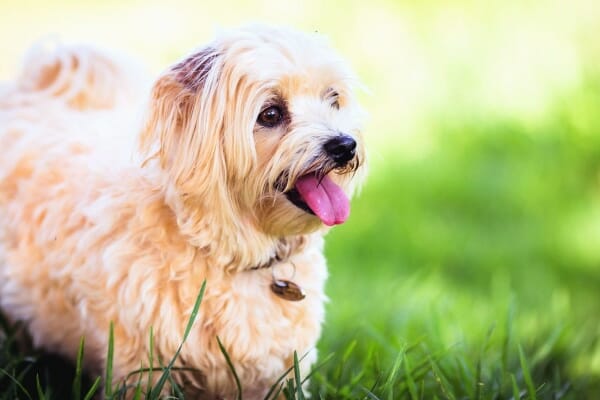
(82, 77)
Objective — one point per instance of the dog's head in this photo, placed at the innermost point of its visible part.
(261, 126)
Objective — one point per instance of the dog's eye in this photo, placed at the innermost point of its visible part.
(270, 116)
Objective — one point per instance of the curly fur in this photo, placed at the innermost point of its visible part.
(86, 240)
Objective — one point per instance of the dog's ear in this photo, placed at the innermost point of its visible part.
(199, 131)
(184, 125)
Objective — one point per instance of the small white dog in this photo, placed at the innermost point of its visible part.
(251, 147)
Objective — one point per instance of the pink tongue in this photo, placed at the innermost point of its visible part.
(327, 200)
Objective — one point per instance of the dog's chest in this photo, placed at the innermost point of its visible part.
(258, 321)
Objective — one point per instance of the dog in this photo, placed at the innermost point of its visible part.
(249, 151)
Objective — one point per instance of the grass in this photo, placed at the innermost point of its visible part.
(476, 295)
(470, 265)
(475, 278)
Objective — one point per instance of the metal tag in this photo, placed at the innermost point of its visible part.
(287, 290)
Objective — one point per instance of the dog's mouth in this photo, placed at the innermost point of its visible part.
(322, 197)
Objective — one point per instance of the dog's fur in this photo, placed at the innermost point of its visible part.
(85, 241)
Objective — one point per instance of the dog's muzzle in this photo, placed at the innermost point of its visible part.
(315, 192)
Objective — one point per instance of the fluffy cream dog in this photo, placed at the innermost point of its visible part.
(251, 147)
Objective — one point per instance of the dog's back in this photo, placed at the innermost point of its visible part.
(69, 94)
(80, 77)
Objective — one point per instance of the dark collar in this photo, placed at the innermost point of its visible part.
(284, 249)
(285, 289)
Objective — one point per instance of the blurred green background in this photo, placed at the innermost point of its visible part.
(478, 230)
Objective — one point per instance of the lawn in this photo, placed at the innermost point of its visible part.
(470, 266)
(455, 263)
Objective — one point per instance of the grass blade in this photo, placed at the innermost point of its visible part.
(478, 368)
(527, 375)
(137, 395)
(412, 388)
(289, 389)
(299, 392)
(175, 388)
(38, 386)
(231, 368)
(515, 388)
(370, 394)
(506, 341)
(328, 358)
(155, 393)
(275, 390)
(16, 382)
(441, 380)
(478, 379)
(150, 360)
(109, 363)
(76, 391)
(278, 385)
(90, 394)
(388, 386)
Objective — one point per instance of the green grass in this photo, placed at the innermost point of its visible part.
(472, 272)
(470, 265)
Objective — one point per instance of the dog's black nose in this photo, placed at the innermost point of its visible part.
(341, 149)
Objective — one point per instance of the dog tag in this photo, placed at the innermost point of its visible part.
(287, 290)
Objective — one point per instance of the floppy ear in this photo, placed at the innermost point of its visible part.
(201, 153)
(185, 123)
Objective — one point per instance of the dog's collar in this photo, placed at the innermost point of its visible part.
(283, 288)
(283, 250)
(268, 264)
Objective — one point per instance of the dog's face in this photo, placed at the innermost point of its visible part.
(261, 125)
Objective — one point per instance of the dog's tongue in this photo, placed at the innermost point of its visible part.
(327, 200)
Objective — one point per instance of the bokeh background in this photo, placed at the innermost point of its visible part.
(478, 231)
